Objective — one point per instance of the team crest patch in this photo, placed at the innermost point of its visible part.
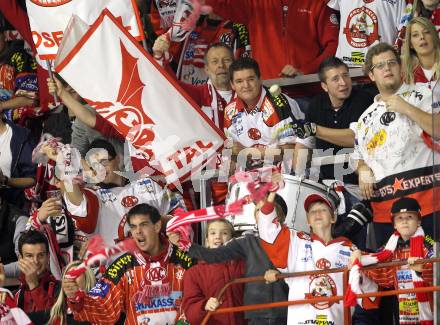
(129, 201)
(362, 28)
(50, 3)
(254, 134)
(323, 264)
(321, 286)
(156, 274)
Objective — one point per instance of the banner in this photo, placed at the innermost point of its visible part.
(114, 74)
(49, 18)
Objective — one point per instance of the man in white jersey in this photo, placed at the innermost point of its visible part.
(363, 24)
(256, 118)
(394, 143)
(106, 204)
(304, 252)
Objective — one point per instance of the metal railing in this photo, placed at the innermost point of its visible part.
(345, 271)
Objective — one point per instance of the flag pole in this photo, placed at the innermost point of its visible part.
(49, 70)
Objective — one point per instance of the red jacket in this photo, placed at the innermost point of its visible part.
(204, 281)
(40, 298)
(306, 35)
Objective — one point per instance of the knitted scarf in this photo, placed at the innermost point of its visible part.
(416, 249)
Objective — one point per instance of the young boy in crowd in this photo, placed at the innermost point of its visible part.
(407, 242)
(203, 282)
(304, 252)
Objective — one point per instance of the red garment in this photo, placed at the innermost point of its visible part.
(304, 36)
(38, 299)
(419, 76)
(148, 289)
(387, 278)
(204, 281)
(19, 19)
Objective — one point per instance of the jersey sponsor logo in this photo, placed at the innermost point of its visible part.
(387, 118)
(268, 110)
(391, 2)
(254, 134)
(156, 274)
(145, 185)
(404, 276)
(323, 264)
(117, 268)
(320, 320)
(321, 285)
(307, 253)
(378, 140)
(129, 201)
(106, 195)
(99, 290)
(50, 3)
(362, 28)
(420, 182)
(356, 57)
(158, 303)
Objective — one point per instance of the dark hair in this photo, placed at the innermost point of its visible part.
(218, 45)
(375, 51)
(103, 144)
(243, 64)
(144, 209)
(32, 237)
(329, 63)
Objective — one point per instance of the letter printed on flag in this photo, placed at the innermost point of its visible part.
(49, 18)
(124, 84)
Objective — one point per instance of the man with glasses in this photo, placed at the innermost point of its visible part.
(393, 143)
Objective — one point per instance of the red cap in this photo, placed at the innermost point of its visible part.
(312, 198)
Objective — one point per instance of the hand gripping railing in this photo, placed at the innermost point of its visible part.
(347, 316)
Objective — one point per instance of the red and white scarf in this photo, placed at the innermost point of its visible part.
(416, 249)
(98, 253)
(258, 183)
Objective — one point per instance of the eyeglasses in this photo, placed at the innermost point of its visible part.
(381, 65)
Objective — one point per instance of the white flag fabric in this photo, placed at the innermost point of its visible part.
(115, 75)
(49, 18)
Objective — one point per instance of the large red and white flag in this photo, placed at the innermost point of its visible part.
(115, 75)
(49, 18)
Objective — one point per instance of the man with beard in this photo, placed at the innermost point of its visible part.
(394, 143)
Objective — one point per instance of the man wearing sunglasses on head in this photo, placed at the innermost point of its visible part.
(394, 142)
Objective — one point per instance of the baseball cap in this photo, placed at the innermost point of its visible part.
(312, 198)
(405, 204)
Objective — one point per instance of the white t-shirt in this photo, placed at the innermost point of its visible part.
(5, 151)
(226, 94)
(365, 23)
(391, 143)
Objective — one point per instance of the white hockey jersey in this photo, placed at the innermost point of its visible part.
(111, 205)
(365, 23)
(308, 253)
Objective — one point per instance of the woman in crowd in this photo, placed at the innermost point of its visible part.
(59, 314)
(421, 53)
(203, 282)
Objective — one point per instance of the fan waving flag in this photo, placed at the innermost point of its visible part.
(49, 18)
(113, 73)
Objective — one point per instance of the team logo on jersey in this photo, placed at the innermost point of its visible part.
(387, 118)
(323, 264)
(362, 28)
(254, 134)
(368, 1)
(321, 285)
(50, 3)
(179, 274)
(166, 3)
(157, 273)
(129, 201)
(100, 289)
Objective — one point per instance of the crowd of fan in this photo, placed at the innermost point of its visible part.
(388, 124)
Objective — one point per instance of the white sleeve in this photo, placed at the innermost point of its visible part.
(268, 227)
(294, 107)
(334, 4)
(76, 210)
(309, 142)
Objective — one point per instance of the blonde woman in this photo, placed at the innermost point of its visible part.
(421, 53)
(58, 313)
